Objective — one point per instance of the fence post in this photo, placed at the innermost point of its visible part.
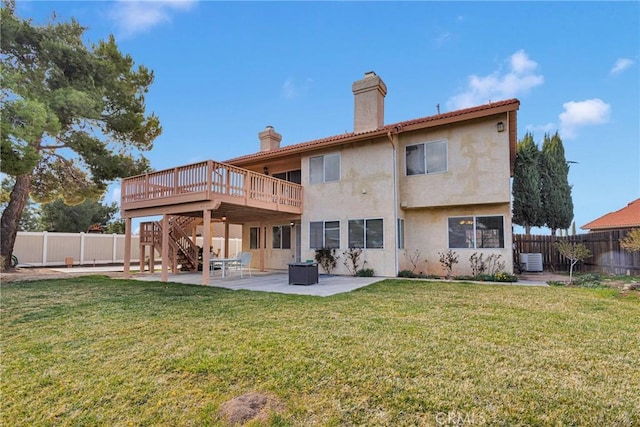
(82, 248)
(44, 248)
(611, 263)
(115, 248)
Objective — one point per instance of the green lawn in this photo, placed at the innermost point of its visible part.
(99, 351)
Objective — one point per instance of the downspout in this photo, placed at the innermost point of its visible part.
(395, 200)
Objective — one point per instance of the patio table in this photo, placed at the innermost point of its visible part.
(223, 262)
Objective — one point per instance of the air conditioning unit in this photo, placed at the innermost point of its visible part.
(532, 262)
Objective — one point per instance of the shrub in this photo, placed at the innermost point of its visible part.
(327, 258)
(365, 272)
(589, 280)
(414, 259)
(406, 273)
(351, 262)
(504, 277)
(478, 266)
(464, 277)
(447, 260)
(555, 283)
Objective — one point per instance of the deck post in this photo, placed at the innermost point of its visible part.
(263, 229)
(127, 248)
(206, 245)
(143, 253)
(164, 275)
(226, 239)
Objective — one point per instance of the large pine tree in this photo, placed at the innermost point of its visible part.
(557, 205)
(73, 117)
(527, 206)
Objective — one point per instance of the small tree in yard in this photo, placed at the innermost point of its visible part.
(631, 241)
(574, 253)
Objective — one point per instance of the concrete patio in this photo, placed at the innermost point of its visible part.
(270, 281)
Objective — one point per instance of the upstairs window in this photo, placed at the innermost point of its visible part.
(427, 157)
(324, 168)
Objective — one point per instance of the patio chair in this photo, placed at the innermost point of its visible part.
(244, 262)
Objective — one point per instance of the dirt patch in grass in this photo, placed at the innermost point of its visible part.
(249, 406)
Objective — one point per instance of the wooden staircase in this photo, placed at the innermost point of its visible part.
(182, 250)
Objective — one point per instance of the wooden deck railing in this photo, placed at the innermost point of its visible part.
(206, 181)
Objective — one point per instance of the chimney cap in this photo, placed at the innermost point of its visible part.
(370, 74)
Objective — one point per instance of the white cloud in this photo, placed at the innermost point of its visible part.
(621, 65)
(132, 17)
(292, 89)
(519, 78)
(442, 39)
(582, 113)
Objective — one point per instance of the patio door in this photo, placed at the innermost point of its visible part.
(298, 242)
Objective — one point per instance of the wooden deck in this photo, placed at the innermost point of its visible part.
(208, 185)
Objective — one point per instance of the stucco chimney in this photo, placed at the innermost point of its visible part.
(368, 96)
(269, 139)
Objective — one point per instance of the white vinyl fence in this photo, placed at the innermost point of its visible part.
(42, 249)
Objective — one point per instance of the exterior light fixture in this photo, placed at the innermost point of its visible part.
(266, 170)
(224, 217)
(292, 223)
(500, 127)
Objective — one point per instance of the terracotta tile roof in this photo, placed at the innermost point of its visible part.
(445, 118)
(628, 216)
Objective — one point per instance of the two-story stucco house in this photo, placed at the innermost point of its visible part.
(430, 184)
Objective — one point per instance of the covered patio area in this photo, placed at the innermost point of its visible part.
(269, 281)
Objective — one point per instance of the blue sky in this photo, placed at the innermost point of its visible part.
(225, 70)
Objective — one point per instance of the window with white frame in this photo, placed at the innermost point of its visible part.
(476, 232)
(366, 233)
(400, 232)
(254, 238)
(324, 168)
(281, 237)
(426, 157)
(324, 234)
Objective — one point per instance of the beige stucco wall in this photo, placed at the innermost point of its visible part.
(275, 259)
(478, 166)
(475, 183)
(365, 191)
(426, 230)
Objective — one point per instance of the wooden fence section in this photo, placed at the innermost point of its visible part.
(606, 254)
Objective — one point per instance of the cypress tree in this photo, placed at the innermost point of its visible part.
(557, 205)
(527, 207)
